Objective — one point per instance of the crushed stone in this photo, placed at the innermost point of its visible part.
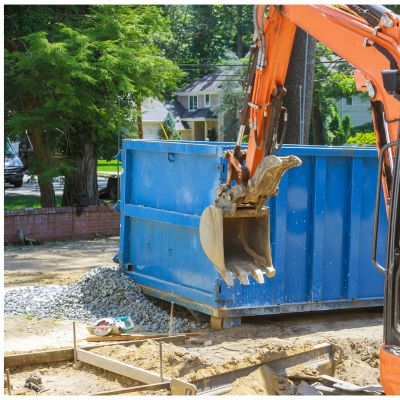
(101, 292)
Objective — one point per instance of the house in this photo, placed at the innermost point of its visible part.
(195, 103)
(192, 109)
(154, 113)
(357, 107)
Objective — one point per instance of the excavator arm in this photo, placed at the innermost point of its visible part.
(234, 230)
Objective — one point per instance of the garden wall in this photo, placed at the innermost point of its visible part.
(49, 224)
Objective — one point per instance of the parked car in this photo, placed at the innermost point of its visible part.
(13, 167)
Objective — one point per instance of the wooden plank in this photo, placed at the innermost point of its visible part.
(117, 338)
(40, 357)
(49, 356)
(118, 367)
(151, 386)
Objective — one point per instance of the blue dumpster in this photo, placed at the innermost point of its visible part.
(321, 229)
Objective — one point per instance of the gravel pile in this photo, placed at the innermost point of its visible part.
(102, 292)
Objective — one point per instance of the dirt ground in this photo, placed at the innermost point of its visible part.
(56, 263)
(359, 333)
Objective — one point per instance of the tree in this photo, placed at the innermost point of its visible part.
(78, 83)
(21, 92)
(298, 99)
(232, 95)
(347, 126)
(169, 126)
(333, 79)
(202, 34)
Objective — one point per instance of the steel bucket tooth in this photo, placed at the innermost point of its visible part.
(237, 243)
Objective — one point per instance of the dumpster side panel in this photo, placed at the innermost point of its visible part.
(321, 229)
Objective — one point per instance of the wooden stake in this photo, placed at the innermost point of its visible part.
(171, 319)
(8, 381)
(74, 332)
(161, 365)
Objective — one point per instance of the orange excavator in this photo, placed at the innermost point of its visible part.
(234, 231)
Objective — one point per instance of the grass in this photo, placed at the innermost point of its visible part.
(107, 166)
(21, 201)
(15, 202)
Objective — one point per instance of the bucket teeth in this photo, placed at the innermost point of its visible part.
(229, 278)
(242, 275)
(243, 270)
(270, 271)
(258, 275)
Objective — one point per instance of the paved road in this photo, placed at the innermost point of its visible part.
(31, 186)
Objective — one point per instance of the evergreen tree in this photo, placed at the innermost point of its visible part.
(170, 128)
(76, 85)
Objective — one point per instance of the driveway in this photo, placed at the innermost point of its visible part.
(31, 186)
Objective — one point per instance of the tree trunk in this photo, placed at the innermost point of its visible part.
(317, 126)
(294, 100)
(239, 33)
(139, 119)
(80, 187)
(41, 166)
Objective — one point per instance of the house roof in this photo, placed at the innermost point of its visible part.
(202, 113)
(208, 83)
(153, 110)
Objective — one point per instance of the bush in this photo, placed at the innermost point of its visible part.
(364, 128)
(169, 126)
(362, 138)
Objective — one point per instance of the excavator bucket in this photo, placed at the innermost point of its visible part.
(237, 245)
(236, 238)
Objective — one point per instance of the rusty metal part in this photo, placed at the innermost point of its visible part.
(235, 171)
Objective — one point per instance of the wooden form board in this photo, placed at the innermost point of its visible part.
(49, 356)
(151, 386)
(120, 368)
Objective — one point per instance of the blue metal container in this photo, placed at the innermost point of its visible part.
(321, 229)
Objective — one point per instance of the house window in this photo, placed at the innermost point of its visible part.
(207, 100)
(192, 103)
(349, 101)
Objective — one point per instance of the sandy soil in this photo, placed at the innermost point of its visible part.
(255, 341)
(56, 263)
(358, 333)
(63, 379)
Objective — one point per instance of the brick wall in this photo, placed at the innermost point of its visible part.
(49, 224)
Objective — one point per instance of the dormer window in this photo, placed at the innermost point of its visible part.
(207, 100)
(192, 103)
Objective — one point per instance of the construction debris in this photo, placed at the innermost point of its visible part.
(34, 382)
(102, 292)
(305, 389)
(199, 341)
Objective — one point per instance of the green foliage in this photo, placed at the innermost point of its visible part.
(201, 34)
(332, 81)
(346, 125)
(108, 166)
(232, 95)
(20, 202)
(80, 78)
(337, 130)
(367, 127)
(169, 126)
(394, 7)
(362, 138)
